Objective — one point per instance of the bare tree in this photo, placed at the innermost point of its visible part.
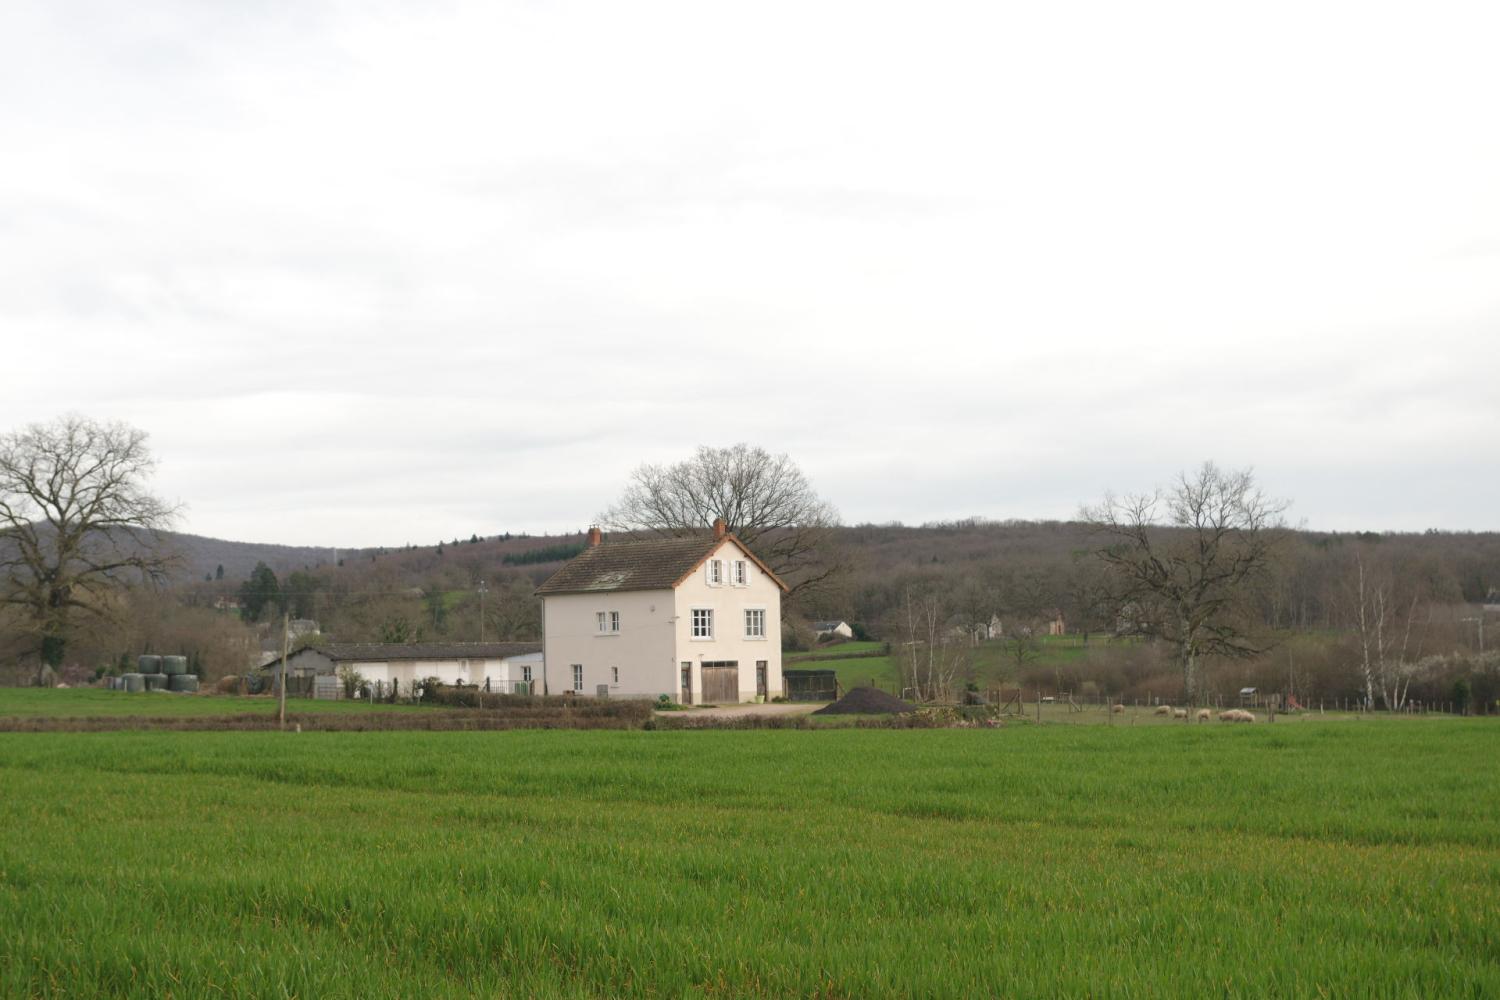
(763, 498)
(1189, 560)
(929, 661)
(1385, 623)
(76, 522)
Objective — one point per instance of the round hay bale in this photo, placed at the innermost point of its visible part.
(155, 682)
(867, 701)
(174, 665)
(229, 685)
(148, 664)
(185, 683)
(133, 682)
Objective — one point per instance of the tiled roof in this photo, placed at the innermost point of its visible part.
(652, 564)
(365, 651)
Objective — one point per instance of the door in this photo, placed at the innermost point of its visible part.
(686, 697)
(760, 679)
(721, 682)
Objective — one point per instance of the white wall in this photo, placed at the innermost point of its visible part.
(500, 672)
(729, 603)
(642, 651)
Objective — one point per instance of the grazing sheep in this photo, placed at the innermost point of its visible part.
(1236, 715)
(1117, 709)
(1204, 715)
(1163, 709)
(1179, 713)
(1246, 717)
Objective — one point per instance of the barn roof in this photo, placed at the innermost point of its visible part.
(364, 652)
(650, 564)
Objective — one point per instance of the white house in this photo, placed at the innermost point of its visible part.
(695, 618)
(499, 666)
(843, 629)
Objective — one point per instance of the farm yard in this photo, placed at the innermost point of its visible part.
(1345, 858)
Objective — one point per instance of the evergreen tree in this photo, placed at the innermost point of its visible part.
(259, 593)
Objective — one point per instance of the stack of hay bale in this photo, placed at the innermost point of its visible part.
(158, 673)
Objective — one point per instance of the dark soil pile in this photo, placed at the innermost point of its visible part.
(867, 701)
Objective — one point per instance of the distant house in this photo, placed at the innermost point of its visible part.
(841, 629)
(695, 618)
(500, 666)
(1055, 623)
(227, 604)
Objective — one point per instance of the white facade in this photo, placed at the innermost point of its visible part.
(500, 673)
(646, 644)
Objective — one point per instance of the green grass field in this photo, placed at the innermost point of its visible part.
(1229, 861)
(74, 702)
(991, 662)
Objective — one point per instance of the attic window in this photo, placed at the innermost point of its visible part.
(739, 572)
(715, 572)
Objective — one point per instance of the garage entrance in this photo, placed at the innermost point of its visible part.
(721, 682)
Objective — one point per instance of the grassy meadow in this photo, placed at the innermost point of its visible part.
(84, 702)
(1342, 859)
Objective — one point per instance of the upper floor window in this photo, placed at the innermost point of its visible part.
(715, 572)
(740, 574)
(526, 674)
(608, 622)
(755, 623)
(703, 623)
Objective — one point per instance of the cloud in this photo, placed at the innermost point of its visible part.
(384, 273)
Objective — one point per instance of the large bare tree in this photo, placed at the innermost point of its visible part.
(76, 522)
(763, 498)
(1189, 561)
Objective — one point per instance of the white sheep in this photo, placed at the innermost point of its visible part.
(1204, 715)
(1117, 709)
(1163, 709)
(1179, 713)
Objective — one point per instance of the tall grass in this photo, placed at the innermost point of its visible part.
(1352, 860)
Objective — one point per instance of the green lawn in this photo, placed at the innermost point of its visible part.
(73, 702)
(992, 663)
(1224, 861)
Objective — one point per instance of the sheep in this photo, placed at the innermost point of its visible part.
(1204, 715)
(1180, 713)
(1117, 709)
(1236, 715)
(1246, 717)
(1163, 709)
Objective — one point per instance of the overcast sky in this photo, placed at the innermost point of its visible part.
(379, 273)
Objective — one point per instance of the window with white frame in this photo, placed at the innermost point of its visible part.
(715, 572)
(614, 621)
(755, 623)
(526, 674)
(740, 573)
(608, 622)
(703, 623)
(578, 677)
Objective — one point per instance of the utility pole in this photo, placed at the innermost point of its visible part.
(483, 589)
(286, 642)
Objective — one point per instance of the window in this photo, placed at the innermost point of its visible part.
(755, 623)
(602, 619)
(526, 674)
(615, 674)
(715, 572)
(739, 573)
(608, 622)
(614, 621)
(703, 623)
(578, 677)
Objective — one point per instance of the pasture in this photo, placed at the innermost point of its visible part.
(1338, 859)
(84, 702)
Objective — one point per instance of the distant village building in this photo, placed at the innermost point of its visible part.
(696, 618)
(840, 628)
(1055, 624)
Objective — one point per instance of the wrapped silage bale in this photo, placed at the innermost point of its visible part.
(147, 663)
(155, 682)
(174, 665)
(184, 683)
(133, 682)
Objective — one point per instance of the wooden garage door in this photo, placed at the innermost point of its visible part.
(721, 682)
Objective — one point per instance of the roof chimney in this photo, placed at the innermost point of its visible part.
(595, 536)
(720, 528)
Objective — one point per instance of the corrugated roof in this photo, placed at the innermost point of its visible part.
(651, 564)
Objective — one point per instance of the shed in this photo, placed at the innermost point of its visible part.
(810, 685)
(1248, 697)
